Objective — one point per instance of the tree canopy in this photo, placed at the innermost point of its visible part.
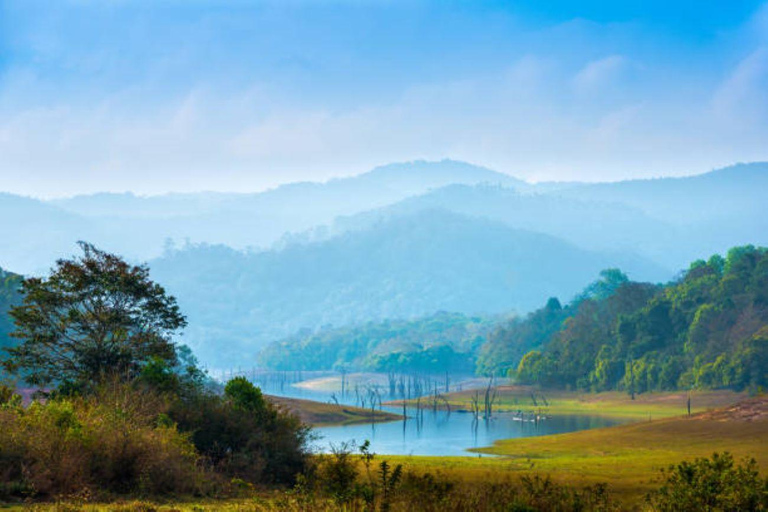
(94, 315)
(9, 296)
(708, 329)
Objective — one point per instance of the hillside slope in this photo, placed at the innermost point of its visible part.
(402, 268)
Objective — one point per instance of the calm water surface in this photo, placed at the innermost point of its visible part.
(443, 433)
(437, 432)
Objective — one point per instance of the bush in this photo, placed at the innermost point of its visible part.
(244, 436)
(110, 442)
(715, 484)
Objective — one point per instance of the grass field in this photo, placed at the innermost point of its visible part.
(613, 404)
(627, 457)
(319, 414)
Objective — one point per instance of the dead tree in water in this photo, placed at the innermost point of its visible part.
(475, 399)
(490, 397)
(392, 380)
(343, 381)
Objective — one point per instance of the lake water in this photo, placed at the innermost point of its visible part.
(436, 433)
(443, 433)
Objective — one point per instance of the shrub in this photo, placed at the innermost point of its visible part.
(715, 484)
(108, 442)
(243, 435)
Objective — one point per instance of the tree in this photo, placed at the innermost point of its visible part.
(95, 315)
(711, 484)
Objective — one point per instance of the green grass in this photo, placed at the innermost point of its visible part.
(611, 404)
(627, 457)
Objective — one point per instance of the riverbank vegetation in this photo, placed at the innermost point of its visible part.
(448, 341)
(706, 330)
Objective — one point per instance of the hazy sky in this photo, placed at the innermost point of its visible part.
(180, 95)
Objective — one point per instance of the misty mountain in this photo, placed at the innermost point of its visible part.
(735, 192)
(593, 225)
(138, 227)
(380, 186)
(671, 221)
(403, 267)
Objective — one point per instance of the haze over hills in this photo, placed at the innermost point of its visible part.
(593, 225)
(404, 267)
(735, 191)
(138, 227)
(400, 241)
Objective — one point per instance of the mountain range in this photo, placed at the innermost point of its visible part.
(399, 241)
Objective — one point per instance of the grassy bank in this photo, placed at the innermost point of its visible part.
(627, 457)
(320, 414)
(613, 404)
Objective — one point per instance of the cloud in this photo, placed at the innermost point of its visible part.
(600, 74)
(559, 101)
(742, 99)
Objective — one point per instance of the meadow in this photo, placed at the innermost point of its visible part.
(532, 400)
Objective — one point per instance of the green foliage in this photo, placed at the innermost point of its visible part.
(431, 344)
(338, 474)
(93, 316)
(109, 442)
(715, 484)
(245, 395)
(509, 342)
(708, 330)
(9, 297)
(243, 435)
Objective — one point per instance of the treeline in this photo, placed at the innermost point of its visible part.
(9, 296)
(442, 342)
(708, 329)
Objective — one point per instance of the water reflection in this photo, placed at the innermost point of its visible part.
(444, 433)
(425, 431)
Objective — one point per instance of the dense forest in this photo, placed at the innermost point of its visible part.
(405, 267)
(9, 295)
(448, 341)
(708, 329)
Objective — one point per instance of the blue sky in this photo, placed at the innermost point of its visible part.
(183, 95)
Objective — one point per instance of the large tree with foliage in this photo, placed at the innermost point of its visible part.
(94, 315)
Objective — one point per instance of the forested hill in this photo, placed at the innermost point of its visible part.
(406, 267)
(709, 329)
(9, 296)
(435, 343)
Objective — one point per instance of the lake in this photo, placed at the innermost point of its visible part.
(436, 433)
(443, 433)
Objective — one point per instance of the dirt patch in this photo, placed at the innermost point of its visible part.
(752, 409)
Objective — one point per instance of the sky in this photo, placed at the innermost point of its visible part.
(156, 96)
